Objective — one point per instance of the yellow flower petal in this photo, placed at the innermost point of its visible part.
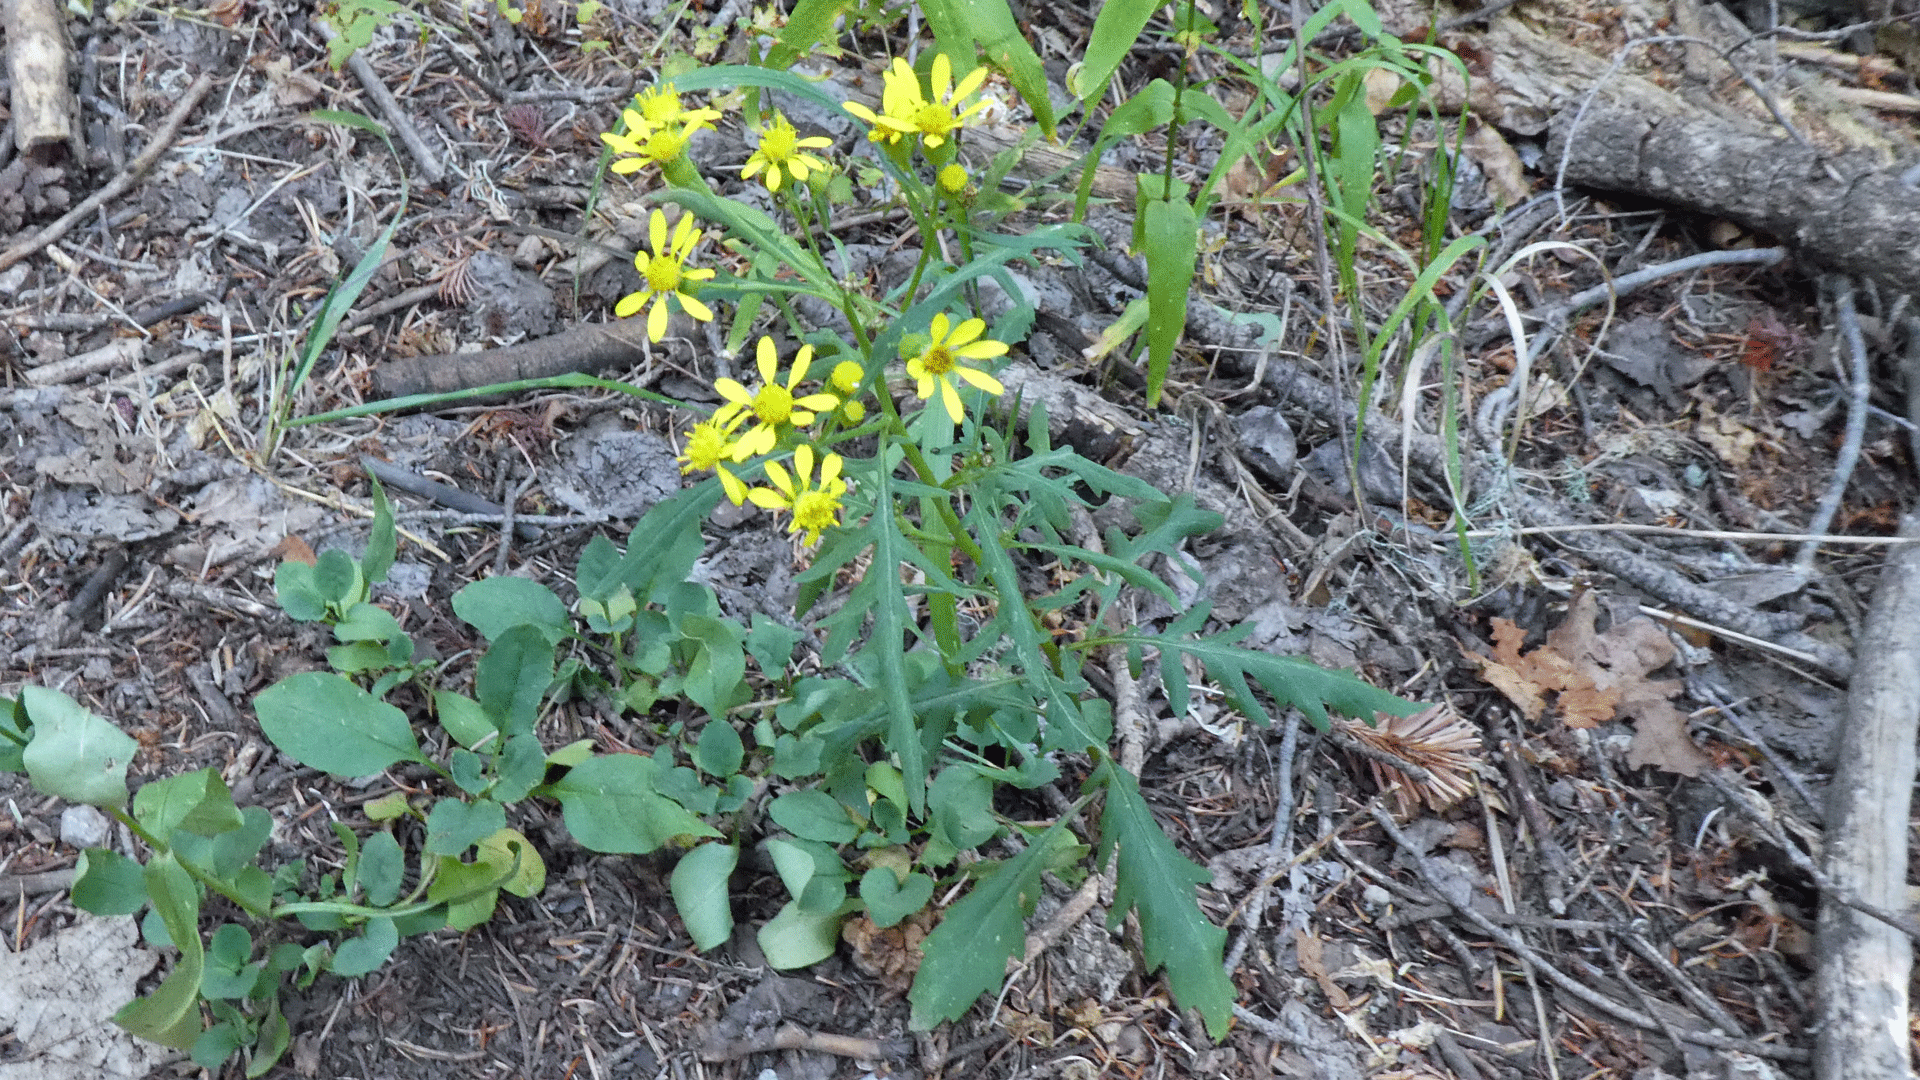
(942, 76)
(630, 303)
(657, 319)
(951, 398)
(973, 81)
(982, 350)
(768, 500)
(695, 308)
(981, 379)
(768, 359)
(966, 332)
(780, 479)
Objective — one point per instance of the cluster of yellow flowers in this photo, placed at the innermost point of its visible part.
(658, 129)
(756, 422)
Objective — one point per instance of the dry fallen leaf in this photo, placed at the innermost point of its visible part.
(1598, 677)
(1310, 950)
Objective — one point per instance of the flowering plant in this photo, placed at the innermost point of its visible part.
(882, 724)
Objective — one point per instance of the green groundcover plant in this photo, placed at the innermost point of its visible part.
(934, 659)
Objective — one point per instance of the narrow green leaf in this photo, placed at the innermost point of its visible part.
(1172, 249)
(664, 544)
(1006, 48)
(325, 722)
(341, 298)
(382, 544)
(75, 754)
(1158, 883)
(1115, 30)
(888, 644)
(271, 1041)
(699, 885)
(810, 23)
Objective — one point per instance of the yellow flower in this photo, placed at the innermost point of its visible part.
(773, 406)
(630, 140)
(658, 128)
(816, 507)
(665, 274)
(938, 365)
(953, 179)
(898, 98)
(659, 106)
(906, 111)
(710, 447)
(781, 147)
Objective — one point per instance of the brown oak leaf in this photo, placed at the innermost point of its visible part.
(1599, 677)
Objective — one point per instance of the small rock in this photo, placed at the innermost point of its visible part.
(84, 827)
(1267, 443)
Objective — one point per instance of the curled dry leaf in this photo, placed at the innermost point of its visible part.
(1439, 740)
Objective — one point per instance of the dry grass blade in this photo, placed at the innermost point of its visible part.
(1437, 739)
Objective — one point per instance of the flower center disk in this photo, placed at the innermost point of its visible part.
(663, 274)
(773, 405)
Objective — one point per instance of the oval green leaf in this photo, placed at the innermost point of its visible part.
(699, 886)
(325, 722)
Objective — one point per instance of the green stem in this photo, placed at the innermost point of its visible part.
(153, 843)
(924, 470)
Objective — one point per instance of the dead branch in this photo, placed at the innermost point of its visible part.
(589, 349)
(38, 56)
(1865, 963)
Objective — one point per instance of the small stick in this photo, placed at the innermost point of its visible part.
(119, 185)
(430, 168)
(793, 1037)
(117, 353)
(1694, 534)
(445, 494)
(1860, 387)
